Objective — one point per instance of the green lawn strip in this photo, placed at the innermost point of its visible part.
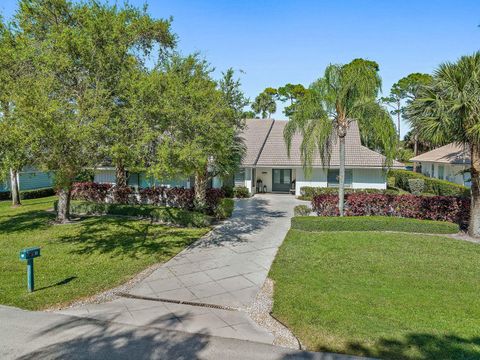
(80, 259)
(372, 223)
(395, 296)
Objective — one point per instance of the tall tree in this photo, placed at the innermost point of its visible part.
(200, 126)
(67, 108)
(345, 93)
(15, 140)
(234, 96)
(264, 104)
(290, 93)
(402, 93)
(118, 41)
(448, 111)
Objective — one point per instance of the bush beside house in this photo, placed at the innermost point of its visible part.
(309, 192)
(431, 185)
(29, 194)
(445, 208)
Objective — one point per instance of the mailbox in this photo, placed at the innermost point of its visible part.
(29, 253)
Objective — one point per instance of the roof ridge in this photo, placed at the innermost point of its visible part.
(264, 142)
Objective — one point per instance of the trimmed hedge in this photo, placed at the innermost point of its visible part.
(29, 194)
(302, 210)
(167, 215)
(431, 185)
(372, 223)
(309, 192)
(445, 208)
(241, 192)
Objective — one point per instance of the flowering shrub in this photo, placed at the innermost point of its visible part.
(446, 208)
(159, 196)
(90, 191)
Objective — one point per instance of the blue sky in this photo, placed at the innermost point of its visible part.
(277, 42)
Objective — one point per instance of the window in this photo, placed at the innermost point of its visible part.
(441, 171)
(332, 177)
(240, 177)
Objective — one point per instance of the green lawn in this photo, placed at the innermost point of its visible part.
(372, 223)
(80, 259)
(386, 295)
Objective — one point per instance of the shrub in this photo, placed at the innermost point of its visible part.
(90, 191)
(416, 186)
(224, 208)
(165, 215)
(446, 208)
(241, 192)
(302, 210)
(432, 185)
(309, 192)
(29, 194)
(372, 223)
(228, 190)
(391, 182)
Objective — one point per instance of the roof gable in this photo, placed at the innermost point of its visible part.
(452, 153)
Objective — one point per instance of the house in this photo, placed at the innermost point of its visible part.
(450, 162)
(29, 179)
(267, 162)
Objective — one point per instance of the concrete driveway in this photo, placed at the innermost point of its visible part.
(225, 269)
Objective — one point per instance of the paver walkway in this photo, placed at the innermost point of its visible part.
(226, 268)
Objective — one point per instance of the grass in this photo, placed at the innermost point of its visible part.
(372, 223)
(384, 295)
(79, 259)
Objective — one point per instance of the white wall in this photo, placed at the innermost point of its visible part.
(318, 178)
(369, 179)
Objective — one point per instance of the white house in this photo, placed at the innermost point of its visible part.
(29, 179)
(450, 162)
(268, 167)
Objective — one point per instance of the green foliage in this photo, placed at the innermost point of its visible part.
(391, 182)
(405, 154)
(354, 293)
(264, 104)
(432, 185)
(241, 192)
(234, 96)
(309, 192)
(372, 223)
(224, 209)
(167, 215)
(302, 210)
(30, 194)
(228, 190)
(291, 93)
(416, 186)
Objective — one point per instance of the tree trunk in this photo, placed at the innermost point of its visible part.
(341, 176)
(14, 187)
(474, 224)
(201, 181)
(415, 151)
(63, 210)
(121, 175)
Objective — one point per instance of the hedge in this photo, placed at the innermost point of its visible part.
(159, 196)
(372, 223)
(309, 192)
(445, 208)
(167, 215)
(224, 209)
(29, 194)
(431, 185)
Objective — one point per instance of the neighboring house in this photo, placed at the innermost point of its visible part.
(267, 161)
(450, 162)
(30, 179)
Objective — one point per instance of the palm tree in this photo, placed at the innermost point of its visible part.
(447, 111)
(345, 93)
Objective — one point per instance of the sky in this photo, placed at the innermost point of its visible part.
(277, 42)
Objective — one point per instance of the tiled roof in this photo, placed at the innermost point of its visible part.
(269, 149)
(449, 154)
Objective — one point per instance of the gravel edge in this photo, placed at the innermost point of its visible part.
(259, 311)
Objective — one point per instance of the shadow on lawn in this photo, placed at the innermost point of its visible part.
(25, 221)
(420, 346)
(127, 238)
(60, 283)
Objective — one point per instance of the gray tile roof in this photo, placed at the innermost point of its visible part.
(266, 147)
(449, 154)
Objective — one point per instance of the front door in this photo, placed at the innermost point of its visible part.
(281, 180)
